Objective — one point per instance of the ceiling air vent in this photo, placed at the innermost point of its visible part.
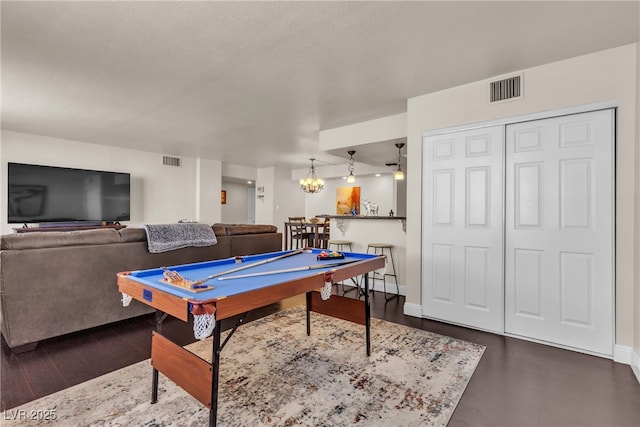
(171, 161)
(505, 89)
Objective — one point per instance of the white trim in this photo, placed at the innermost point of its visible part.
(525, 118)
(622, 354)
(414, 310)
(565, 347)
(635, 363)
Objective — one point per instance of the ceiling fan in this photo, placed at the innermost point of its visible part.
(399, 146)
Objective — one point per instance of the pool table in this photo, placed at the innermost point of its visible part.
(235, 286)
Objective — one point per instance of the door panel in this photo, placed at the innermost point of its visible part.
(463, 228)
(475, 275)
(576, 194)
(527, 283)
(559, 231)
(528, 195)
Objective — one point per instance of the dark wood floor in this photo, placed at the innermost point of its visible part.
(517, 383)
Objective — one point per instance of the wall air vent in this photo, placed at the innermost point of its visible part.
(171, 161)
(505, 89)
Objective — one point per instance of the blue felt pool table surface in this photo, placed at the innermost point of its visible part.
(226, 288)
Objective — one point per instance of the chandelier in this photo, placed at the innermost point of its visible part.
(311, 184)
(399, 175)
(351, 179)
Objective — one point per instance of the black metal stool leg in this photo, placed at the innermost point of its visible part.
(395, 277)
(340, 248)
(385, 249)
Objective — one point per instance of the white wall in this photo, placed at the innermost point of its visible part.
(159, 194)
(635, 359)
(607, 76)
(264, 206)
(236, 210)
(382, 129)
(251, 204)
(281, 199)
(289, 200)
(229, 170)
(401, 198)
(208, 208)
(380, 190)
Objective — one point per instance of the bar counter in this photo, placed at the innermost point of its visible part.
(338, 219)
(362, 230)
(403, 218)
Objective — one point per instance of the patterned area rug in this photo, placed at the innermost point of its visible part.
(272, 374)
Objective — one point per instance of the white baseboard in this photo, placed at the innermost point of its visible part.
(414, 310)
(628, 356)
(635, 363)
(622, 354)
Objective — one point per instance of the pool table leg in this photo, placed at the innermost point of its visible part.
(215, 381)
(154, 386)
(308, 313)
(367, 313)
(160, 316)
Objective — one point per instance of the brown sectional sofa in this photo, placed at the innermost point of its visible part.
(55, 283)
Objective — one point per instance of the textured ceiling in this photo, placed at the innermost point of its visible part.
(252, 83)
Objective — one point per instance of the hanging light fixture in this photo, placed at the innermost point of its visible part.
(351, 179)
(399, 175)
(311, 184)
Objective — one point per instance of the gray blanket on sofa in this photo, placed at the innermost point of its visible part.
(168, 237)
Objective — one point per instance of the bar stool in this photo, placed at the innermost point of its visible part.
(340, 244)
(383, 249)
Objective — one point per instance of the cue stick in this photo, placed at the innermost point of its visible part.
(244, 267)
(287, 270)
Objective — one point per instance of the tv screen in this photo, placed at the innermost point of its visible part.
(53, 194)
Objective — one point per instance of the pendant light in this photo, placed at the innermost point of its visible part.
(351, 179)
(311, 184)
(399, 175)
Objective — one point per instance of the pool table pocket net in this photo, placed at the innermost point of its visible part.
(204, 320)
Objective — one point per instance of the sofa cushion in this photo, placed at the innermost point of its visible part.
(235, 229)
(256, 243)
(130, 234)
(53, 239)
(219, 230)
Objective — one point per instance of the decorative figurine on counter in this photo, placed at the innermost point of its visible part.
(371, 209)
(391, 212)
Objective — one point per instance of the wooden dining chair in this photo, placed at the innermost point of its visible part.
(325, 235)
(298, 232)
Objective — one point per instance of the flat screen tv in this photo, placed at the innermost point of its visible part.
(48, 194)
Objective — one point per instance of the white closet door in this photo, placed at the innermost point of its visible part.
(462, 240)
(559, 231)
